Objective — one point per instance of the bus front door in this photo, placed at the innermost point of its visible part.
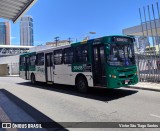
(99, 75)
(49, 67)
(27, 68)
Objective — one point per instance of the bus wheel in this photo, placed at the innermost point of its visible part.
(82, 84)
(33, 80)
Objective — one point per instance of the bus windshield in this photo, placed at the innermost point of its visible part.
(121, 55)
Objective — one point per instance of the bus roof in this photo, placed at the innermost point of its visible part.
(54, 48)
(29, 53)
(102, 38)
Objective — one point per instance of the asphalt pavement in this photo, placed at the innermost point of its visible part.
(22, 101)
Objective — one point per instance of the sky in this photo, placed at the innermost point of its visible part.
(76, 18)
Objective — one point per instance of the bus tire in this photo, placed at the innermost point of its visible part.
(33, 79)
(82, 84)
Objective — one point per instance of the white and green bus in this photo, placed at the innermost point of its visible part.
(107, 62)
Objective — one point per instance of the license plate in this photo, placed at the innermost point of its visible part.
(126, 81)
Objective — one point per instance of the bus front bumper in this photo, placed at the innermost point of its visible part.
(117, 82)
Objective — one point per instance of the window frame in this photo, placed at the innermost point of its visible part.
(58, 57)
(32, 59)
(22, 63)
(82, 55)
(37, 59)
(67, 56)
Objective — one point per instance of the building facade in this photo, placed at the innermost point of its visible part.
(9, 50)
(58, 43)
(9, 57)
(26, 31)
(4, 33)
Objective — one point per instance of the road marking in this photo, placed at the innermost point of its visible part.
(155, 115)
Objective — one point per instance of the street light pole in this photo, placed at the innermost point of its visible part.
(92, 32)
(86, 37)
(69, 40)
(56, 39)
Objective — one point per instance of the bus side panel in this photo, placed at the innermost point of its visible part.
(40, 73)
(22, 74)
(89, 77)
(63, 75)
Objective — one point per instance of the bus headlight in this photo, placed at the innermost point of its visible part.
(113, 76)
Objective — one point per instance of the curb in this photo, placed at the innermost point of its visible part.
(143, 88)
(10, 76)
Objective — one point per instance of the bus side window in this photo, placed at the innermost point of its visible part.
(32, 60)
(22, 60)
(81, 54)
(52, 61)
(68, 55)
(58, 57)
(40, 59)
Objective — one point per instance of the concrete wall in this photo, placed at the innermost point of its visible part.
(12, 64)
(3, 69)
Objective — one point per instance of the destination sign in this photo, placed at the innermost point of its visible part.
(121, 39)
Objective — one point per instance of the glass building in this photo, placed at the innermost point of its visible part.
(26, 31)
(4, 33)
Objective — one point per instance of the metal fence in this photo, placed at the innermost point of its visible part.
(149, 68)
(148, 45)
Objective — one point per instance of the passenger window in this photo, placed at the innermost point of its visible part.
(81, 54)
(33, 60)
(40, 59)
(58, 57)
(68, 55)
